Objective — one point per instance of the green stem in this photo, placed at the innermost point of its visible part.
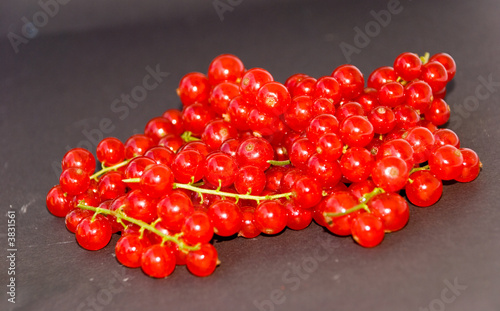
(237, 196)
(233, 195)
(425, 58)
(144, 226)
(109, 168)
(362, 204)
(416, 169)
(348, 211)
(187, 136)
(279, 163)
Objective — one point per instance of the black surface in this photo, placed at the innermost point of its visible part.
(60, 85)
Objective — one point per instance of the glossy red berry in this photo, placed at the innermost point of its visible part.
(79, 158)
(173, 210)
(392, 209)
(158, 261)
(188, 166)
(423, 188)
(273, 98)
(221, 95)
(390, 173)
(435, 75)
(203, 261)
(110, 151)
(197, 228)
(74, 181)
(356, 164)
(470, 165)
(307, 192)
(447, 61)
(194, 88)
(350, 79)
(367, 230)
(225, 67)
(270, 217)
(381, 76)
(252, 81)
(157, 180)
(226, 218)
(255, 151)
(408, 66)
(58, 203)
(93, 233)
(129, 250)
(356, 131)
(446, 162)
(391, 94)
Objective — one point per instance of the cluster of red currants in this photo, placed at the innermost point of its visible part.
(249, 155)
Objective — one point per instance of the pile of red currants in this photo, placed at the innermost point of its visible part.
(249, 155)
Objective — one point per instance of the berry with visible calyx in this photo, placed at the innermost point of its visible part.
(423, 188)
(367, 230)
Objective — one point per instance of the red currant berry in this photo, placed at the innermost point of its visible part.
(193, 88)
(447, 61)
(188, 166)
(270, 217)
(307, 192)
(392, 209)
(255, 151)
(79, 158)
(356, 131)
(226, 218)
(195, 117)
(129, 250)
(298, 218)
(93, 234)
(356, 164)
(220, 170)
(408, 66)
(140, 206)
(338, 202)
(174, 116)
(382, 119)
(137, 145)
(58, 203)
(423, 188)
(435, 75)
(381, 76)
(252, 81)
(157, 180)
(391, 94)
(203, 261)
(216, 132)
(197, 228)
(367, 230)
(299, 113)
(158, 261)
(110, 151)
(328, 88)
(173, 210)
(225, 67)
(350, 79)
(421, 140)
(273, 98)
(470, 166)
(250, 180)
(111, 186)
(322, 124)
(390, 173)
(74, 181)
(446, 162)
(221, 95)
(157, 128)
(418, 95)
(439, 112)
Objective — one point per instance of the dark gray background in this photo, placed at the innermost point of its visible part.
(62, 82)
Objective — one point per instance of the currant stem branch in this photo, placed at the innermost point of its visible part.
(109, 168)
(362, 204)
(233, 195)
(279, 163)
(144, 226)
(422, 168)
